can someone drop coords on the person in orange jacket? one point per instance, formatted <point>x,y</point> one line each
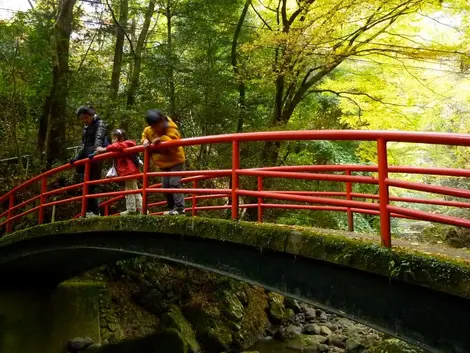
<point>125,165</point>
<point>161,129</point>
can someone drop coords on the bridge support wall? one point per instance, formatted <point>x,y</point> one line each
<point>42,321</point>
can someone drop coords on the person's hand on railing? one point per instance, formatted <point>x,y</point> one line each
<point>73,160</point>
<point>91,155</point>
<point>146,143</point>
<point>156,141</point>
<point>100,150</point>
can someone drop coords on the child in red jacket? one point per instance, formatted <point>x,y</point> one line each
<point>125,165</point>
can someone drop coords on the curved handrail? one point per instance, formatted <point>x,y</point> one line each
<point>313,200</point>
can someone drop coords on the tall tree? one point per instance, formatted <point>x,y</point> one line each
<point>118,50</point>
<point>311,39</point>
<point>137,53</point>
<point>236,69</point>
<point>169,13</point>
<point>55,150</point>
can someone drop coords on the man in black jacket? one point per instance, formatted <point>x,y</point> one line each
<point>93,136</point>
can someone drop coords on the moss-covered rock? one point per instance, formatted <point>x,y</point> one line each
<point>393,345</point>
<point>289,314</point>
<point>210,328</point>
<point>276,312</point>
<point>255,320</point>
<point>175,319</point>
<point>233,308</point>
<point>305,342</point>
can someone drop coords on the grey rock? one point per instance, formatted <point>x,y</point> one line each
<point>332,326</point>
<point>325,331</point>
<point>336,341</point>
<point>293,331</point>
<point>345,323</point>
<point>305,343</point>
<point>321,315</point>
<point>78,344</point>
<point>312,329</point>
<point>313,348</point>
<point>94,348</point>
<point>371,339</point>
<point>300,318</point>
<point>290,303</point>
<point>323,348</point>
<point>320,339</point>
<point>352,346</point>
<point>310,314</point>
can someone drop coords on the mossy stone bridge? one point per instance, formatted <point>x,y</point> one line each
<point>422,297</point>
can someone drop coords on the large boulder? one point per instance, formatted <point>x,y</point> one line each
<point>175,319</point>
<point>211,329</point>
<point>232,306</point>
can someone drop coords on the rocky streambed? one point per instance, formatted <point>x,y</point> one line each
<point>303,328</point>
<point>148,306</point>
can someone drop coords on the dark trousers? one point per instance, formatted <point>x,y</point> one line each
<point>175,201</point>
<point>92,204</point>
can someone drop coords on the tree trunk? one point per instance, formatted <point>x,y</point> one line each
<point>43,123</point>
<point>14,110</point>
<point>55,148</point>
<point>134,82</point>
<point>236,70</point>
<point>118,51</point>
<point>171,78</point>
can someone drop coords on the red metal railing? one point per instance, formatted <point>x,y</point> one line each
<point>338,201</point>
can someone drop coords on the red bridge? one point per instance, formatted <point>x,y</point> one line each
<point>40,193</point>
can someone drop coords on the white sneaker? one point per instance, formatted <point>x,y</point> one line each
<point>91,215</point>
<point>128,213</point>
<point>174,213</point>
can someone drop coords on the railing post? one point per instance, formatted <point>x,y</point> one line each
<point>106,210</point>
<point>260,200</point>
<point>145,181</point>
<point>86,179</point>
<point>384,198</point>
<point>11,203</point>
<point>235,178</point>
<point>194,203</point>
<point>42,200</point>
<point>349,197</point>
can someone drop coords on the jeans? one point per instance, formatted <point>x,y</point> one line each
<point>133,201</point>
<point>175,201</point>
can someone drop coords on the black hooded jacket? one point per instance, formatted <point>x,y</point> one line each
<point>93,136</point>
